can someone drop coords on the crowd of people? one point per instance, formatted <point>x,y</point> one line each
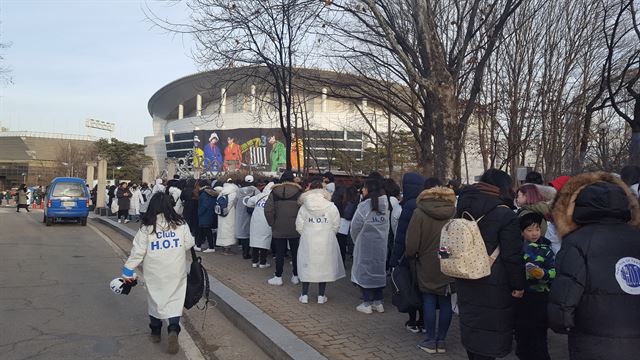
<point>565,254</point>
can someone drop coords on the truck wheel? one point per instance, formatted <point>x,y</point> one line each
<point>83,221</point>
<point>49,221</point>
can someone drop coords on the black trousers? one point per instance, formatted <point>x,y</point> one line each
<point>23,206</point>
<point>205,234</point>
<point>246,249</point>
<point>531,326</point>
<point>259,256</point>
<point>281,249</point>
<point>343,242</point>
<point>123,213</point>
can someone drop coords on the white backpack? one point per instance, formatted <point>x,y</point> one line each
<point>463,254</point>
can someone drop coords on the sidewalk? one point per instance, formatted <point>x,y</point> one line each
<point>336,329</point>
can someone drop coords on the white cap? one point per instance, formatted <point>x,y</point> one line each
<point>196,139</point>
<point>248,179</point>
<point>213,136</point>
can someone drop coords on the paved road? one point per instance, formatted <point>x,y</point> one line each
<point>55,302</point>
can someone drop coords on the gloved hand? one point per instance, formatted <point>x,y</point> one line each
<point>128,275</point>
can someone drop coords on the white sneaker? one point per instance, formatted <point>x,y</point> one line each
<point>295,280</point>
<point>276,280</point>
<point>379,308</point>
<point>209,251</point>
<point>364,308</point>
<point>254,265</point>
<point>119,221</point>
<point>322,299</point>
<point>126,221</point>
<point>304,299</point>
<point>267,265</point>
<point>197,248</point>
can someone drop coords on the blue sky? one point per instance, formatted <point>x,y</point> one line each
<point>72,60</point>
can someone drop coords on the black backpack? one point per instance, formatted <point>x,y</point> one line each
<point>406,295</point>
<point>197,282</point>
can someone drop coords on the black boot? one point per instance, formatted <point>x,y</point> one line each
<point>172,341</point>
<point>156,334</point>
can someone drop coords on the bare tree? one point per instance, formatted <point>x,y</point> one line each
<point>622,31</point>
<point>437,52</point>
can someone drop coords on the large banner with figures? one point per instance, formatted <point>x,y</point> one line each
<point>257,149</point>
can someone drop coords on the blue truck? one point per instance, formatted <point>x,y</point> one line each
<point>66,198</point>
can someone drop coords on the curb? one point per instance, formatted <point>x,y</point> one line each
<point>271,336</point>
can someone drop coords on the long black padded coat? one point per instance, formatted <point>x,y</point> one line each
<point>596,294</point>
<point>487,309</point>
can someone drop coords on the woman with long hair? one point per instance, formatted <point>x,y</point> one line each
<point>161,245</point>
<point>346,200</point>
<point>370,231</point>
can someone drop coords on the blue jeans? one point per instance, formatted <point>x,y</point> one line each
<point>157,323</point>
<point>372,295</point>
<point>429,303</point>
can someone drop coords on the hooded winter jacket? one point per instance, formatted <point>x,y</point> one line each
<point>206,203</point>
<point>318,221</point>
<point>434,208</point>
<point>596,294</point>
<point>227,224</point>
<point>412,185</point>
<point>243,218</point>
<point>487,309</point>
<point>281,210</point>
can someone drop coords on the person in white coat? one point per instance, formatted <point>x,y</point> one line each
<point>319,259</point>
<point>175,193</point>
<point>145,197</point>
<point>243,216</point>
<point>136,202</point>
<point>370,232</point>
<point>158,187</point>
<point>259,229</point>
<point>161,245</point>
<point>227,224</point>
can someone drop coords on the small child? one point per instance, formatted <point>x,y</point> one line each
<point>531,310</point>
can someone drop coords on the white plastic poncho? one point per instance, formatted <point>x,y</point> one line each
<point>227,224</point>
<point>175,194</point>
<point>259,229</point>
<point>317,222</point>
<point>164,256</point>
<point>243,218</point>
<point>370,232</point>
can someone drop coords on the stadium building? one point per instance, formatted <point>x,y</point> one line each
<point>35,158</point>
<point>225,120</point>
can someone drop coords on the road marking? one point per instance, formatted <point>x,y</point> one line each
<point>188,346</point>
